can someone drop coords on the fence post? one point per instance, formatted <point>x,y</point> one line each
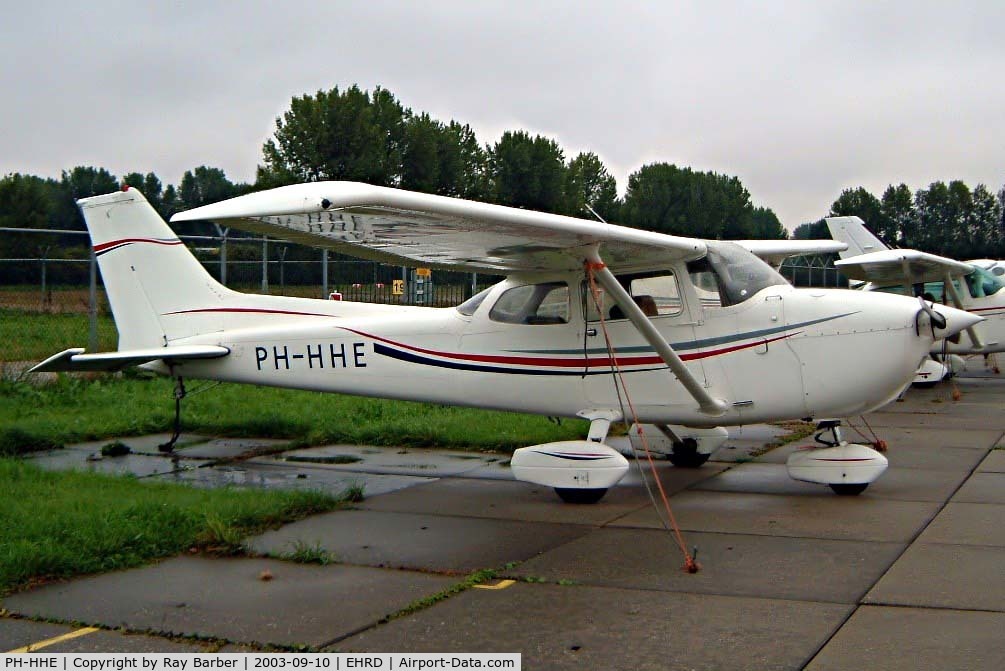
<point>474,283</point>
<point>324,273</point>
<point>45,257</point>
<point>265,264</point>
<point>282,271</point>
<point>222,232</point>
<point>92,306</point>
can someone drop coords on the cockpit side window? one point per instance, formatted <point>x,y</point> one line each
<point>706,283</point>
<point>656,293</point>
<point>470,306</point>
<point>546,303</point>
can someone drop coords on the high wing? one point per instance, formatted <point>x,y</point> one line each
<point>900,266</point>
<point>774,252</point>
<point>417,229</point>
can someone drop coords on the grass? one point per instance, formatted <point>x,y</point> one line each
<point>302,553</point>
<point>35,336</point>
<point>472,579</point>
<point>76,409</point>
<point>15,442</point>
<point>796,430</point>
<point>62,524</point>
<point>115,449</point>
<point>335,459</point>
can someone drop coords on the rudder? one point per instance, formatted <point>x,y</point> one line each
<point>147,271</point>
<point>852,232</point>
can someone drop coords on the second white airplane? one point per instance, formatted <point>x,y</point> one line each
<point>967,285</point>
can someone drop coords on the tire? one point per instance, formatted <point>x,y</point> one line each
<point>580,496</point>
<point>849,490</point>
<point>687,456</point>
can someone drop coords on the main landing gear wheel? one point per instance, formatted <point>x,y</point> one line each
<point>848,489</point>
<point>685,454</point>
<point>574,495</point>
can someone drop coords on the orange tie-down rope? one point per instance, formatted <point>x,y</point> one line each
<point>690,565</point>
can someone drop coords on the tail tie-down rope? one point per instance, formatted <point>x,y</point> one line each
<point>669,522</point>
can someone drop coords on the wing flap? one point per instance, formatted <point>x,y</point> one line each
<point>408,228</point>
<point>74,360</point>
<point>888,267</point>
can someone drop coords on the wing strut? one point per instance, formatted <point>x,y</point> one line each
<point>958,300</point>
<point>706,404</point>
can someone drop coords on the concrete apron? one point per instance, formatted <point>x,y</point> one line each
<point>791,575</point>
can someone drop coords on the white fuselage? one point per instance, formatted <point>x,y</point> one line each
<point>783,353</point>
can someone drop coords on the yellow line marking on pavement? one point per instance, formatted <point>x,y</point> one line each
<point>52,641</point>
<point>502,584</point>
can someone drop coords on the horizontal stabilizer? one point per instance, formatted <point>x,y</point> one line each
<point>74,360</point>
<point>774,252</point>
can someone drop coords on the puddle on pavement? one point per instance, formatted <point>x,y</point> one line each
<point>139,465</point>
<point>331,469</point>
<point>267,476</point>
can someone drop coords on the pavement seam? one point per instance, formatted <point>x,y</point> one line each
<point>149,632</point>
<point>884,604</point>
<point>473,517</point>
<point>446,594</point>
<point>727,595</point>
<point>900,556</point>
<point>650,504</point>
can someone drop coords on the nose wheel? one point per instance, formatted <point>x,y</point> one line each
<point>847,468</point>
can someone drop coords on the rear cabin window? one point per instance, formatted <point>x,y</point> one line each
<point>546,303</point>
<point>656,293</point>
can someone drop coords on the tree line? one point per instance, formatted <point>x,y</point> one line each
<point>355,135</point>
<point>359,135</point>
<point>370,136</point>
<point>948,219</point>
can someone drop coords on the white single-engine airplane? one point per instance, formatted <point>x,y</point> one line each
<point>705,333</point>
<point>968,285</point>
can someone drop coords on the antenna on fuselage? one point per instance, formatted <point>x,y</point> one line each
<point>594,213</point>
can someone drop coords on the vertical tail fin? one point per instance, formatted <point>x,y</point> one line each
<point>852,232</point>
<point>147,271</point>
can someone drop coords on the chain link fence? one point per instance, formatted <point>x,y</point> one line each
<point>51,296</point>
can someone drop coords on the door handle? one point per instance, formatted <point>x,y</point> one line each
<point>591,332</point>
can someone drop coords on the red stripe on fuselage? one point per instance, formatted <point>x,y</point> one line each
<point>252,311</point>
<point>567,363</point>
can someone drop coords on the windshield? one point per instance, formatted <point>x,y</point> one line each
<point>981,283</point>
<point>736,273</point>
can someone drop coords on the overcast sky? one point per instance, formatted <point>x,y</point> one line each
<point>798,99</point>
